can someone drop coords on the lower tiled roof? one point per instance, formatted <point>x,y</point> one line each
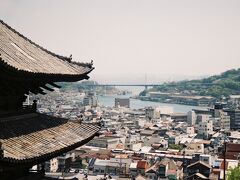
<point>49,137</point>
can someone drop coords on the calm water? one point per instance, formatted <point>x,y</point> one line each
<point>108,100</point>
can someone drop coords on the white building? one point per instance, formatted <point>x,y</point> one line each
<point>104,142</point>
<point>224,119</point>
<point>65,160</point>
<point>206,158</point>
<point>51,165</point>
<point>90,100</point>
<point>153,113</point>
<point>191,118</point>
<point>190,130</point>
<point>113,166</point>
<point>205,126</point>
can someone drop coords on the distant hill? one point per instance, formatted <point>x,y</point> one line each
<point>76,85</point>
<point>217,86</point>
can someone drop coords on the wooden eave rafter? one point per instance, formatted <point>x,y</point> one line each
<point>10,72</point>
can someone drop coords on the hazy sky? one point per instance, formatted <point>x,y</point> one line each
<point>131,38</point>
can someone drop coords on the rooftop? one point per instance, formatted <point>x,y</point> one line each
<point>20,53</point>
<point>45,137</point>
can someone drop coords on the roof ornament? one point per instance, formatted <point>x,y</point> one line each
<point>91,62</point>
<point>70,57</point>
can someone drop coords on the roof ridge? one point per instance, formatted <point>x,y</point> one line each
<point>201,162</point>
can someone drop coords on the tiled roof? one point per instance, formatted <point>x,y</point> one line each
<point>35,137</point>
<point>199,162</point>
<point>21,54</point>
<point>232,147</point>
<point>197,176</point>
<point>142,165</point>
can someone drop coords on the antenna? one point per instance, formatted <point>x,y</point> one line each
<point>146,81</point>
<point>145,78</point>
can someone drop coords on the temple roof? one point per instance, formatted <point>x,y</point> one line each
<point>21,54</point>
<point>44,138</point>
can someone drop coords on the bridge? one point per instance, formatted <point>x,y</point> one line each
<point>122,85</point>
<point>142,85</point>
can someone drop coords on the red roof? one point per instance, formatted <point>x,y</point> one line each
<point>232,147</point>
<point>142,165</point>
<point>232,151</point>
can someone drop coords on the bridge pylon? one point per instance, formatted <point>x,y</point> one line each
<point>146,87</point>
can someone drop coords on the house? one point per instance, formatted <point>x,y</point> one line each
<point>133,169</point>
<point>155,138</point>
<point>218,166</point>
<point>168,168</point>
<point>198,176</point>
<point>147,132</point>
<point>193,148</point>
<point>100,166</point>
<point>151,173</point>
<point>108,142</point>
<point>199,167</point>
<point>140,177</point>
<point>145,149</point>
<point>232,151</point>
<point>142,166</point>
<point>112,166</point>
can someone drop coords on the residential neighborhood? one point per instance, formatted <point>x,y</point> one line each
<point>147,143</point>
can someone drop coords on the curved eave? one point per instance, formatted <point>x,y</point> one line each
<point>16,73</point>
<point>39,159</point>
<point>41,62</point>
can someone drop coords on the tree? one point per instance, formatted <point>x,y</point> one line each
<point>175,146</point>
<point>234,173</point>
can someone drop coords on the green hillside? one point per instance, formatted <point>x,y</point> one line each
<point>217,86</point>
<point>65,86</point>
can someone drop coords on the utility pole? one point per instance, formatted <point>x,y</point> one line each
<point>224,160</point>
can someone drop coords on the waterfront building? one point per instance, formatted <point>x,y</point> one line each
<point>181,99</point>
<point>27,137</point>
<point>122,102</point>
<point>179,117</point>
<point>191,118</point>
<point>90,99</point>
<point>152,113</point>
